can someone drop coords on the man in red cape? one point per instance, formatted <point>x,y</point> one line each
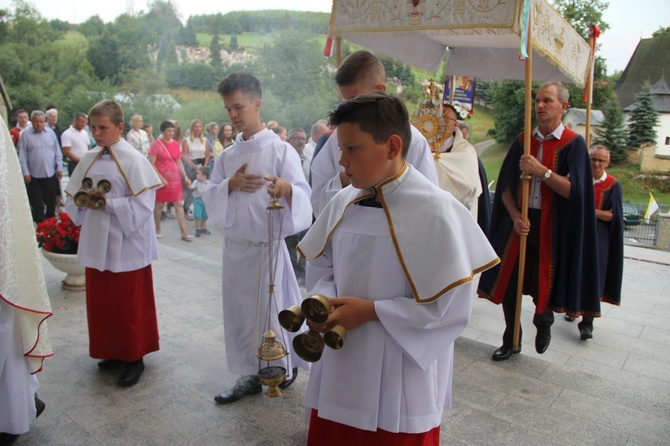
<point>608,196</point>
<point>561,271</point>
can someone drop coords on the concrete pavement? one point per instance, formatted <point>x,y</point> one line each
<point>611,390</point>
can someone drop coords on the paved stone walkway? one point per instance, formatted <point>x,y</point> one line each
<point>611,390</point>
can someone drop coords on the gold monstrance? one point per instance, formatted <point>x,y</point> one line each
<point>271,349</point>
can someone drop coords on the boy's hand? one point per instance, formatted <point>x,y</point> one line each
<point>349,312</point>
<point>279,188</point>
<point>245,182</point>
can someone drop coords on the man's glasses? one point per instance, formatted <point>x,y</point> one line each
<point>598,160</point>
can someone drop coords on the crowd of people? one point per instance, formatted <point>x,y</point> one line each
<point>401,286</point>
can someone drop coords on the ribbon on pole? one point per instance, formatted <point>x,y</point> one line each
<point>594,32</point>
<point>523,53</point>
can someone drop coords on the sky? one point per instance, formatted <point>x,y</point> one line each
<point>629,21</point>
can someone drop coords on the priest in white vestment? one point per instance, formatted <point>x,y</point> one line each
<point>24,303</point>
<point>457,165</point>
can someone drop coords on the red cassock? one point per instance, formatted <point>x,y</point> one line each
<point>121,313</point>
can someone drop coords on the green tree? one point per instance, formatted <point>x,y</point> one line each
<point>613,133</point>
<point>643,119</point>
<point>215,52</point>
<point>582,13</point>
<point>661,32</point>
<point>233,43</point>
<point>508,99</point>
<point>297,89</point>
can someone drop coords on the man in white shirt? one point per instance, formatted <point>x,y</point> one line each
<point>75,141</point>
<point>297,138</point>
<point>319,129</point>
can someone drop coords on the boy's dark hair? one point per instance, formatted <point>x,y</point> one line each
<point>360,67</point>
<point>378,113</point>
<point>108,108</point>
<point>167,125</point>
<point>240,80</point>
<point>19,111</point>
<point>205,171</point>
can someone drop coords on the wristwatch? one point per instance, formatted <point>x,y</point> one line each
<point>546,175</point>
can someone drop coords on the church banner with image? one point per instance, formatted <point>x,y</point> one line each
<point>464,92</point>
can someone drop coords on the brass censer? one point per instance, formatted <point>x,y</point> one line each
<point>271,349</point>
<point>309,346</point>
<point>87,195</point>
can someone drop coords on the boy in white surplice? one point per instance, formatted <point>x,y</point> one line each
<point>399,258</point>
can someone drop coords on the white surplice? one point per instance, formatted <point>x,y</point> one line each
<point>458,171</point>
<point>122,237</point>
<point>24,303</point>
<point>243,219</point>
<point>394,374</point>
<point>325,167</point>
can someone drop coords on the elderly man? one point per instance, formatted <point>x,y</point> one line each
<point>561,256</point>
<point>75,141</point>
<point>51,114</point>
<point>608,196</point>
<point>456,164</point>
<point>22,123</point>
<point>297,138</point>
<point>319,129</point>
<point>42,165</point>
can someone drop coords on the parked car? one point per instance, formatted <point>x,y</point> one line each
<point>631,216</point>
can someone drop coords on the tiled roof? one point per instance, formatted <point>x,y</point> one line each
<point>649,63</point>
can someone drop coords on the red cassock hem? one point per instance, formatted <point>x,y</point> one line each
<point>326,433</point>
<point>121,311</point>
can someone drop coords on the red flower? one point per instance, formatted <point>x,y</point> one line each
<point>58,234</point>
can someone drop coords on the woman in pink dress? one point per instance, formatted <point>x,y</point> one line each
<point>165,156</point>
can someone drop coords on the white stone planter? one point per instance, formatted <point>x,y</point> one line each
<point>75,279</point>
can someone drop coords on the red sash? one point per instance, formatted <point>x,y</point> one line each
<point>550,155</point>
<point>599,190</point>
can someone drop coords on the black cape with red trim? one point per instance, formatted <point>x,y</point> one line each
<point>608,195</point>
<point>568,269</point>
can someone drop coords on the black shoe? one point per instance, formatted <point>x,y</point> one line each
<point>569,318</point>
<point>198,232</point>
<point>131,373</point>
<point>245,385</point>
<point>286,384</point>
<point>542,339</point>
<point>585,333</point>
<point>504,353</point>
<point>39,406</point>
<point>8,439</point>
<point>109,364</point>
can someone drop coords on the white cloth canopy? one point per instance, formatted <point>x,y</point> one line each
<point>483,38</point>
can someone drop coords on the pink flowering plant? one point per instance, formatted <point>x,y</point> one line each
<point>58,234</point>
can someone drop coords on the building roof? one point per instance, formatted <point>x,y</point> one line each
<point>661,93</point>
<point>650,61</point>
<point>578,116</point>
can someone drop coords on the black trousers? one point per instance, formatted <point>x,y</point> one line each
<point>42,193</point>
<point>542,320</point>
